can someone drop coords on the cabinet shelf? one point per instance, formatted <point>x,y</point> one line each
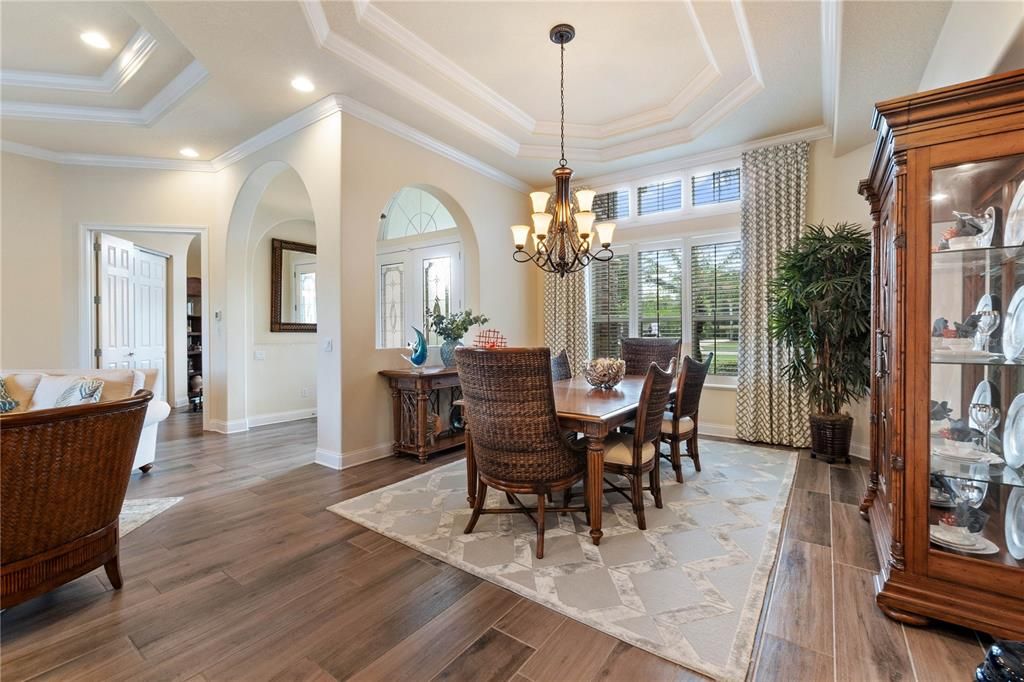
<point>953,358</point>
<point>999,474</point>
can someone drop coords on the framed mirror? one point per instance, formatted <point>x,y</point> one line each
<point>292,286</point>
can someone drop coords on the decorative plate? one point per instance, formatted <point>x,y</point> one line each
<point>1013,234</point>
<point>1013,434</point>
<point>981,545</point>
<point>1014,525</point>
<point>1013,329</point>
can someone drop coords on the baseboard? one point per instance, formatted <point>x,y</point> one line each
<point>280,417</point>
<point>181,402</point>
<point>720,430</point>
<point>227,427</point>
<point>352,458</point>
<point>860,450</point>
<point>328,458</point>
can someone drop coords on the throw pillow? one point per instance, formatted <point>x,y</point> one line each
<point>7,403</point>
<point>66,391</point>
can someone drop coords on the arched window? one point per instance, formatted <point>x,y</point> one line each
<point>419,266</point>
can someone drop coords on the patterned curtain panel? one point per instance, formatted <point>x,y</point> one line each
<point>565,317</point>
<point>774,198</point>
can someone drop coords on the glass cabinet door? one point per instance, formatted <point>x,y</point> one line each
<point>976,482</point>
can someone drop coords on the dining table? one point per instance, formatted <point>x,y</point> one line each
<point>593,413</point>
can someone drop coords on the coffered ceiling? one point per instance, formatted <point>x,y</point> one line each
<point>645,82</point>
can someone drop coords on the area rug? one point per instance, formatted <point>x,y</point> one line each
<point>690,588</point>
<point>134,513</point>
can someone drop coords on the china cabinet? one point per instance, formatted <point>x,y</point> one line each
<point>945,496</point>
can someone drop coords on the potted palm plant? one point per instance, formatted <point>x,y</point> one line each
<point>820,310</point>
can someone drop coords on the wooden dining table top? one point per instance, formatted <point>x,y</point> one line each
<point>578,399</point>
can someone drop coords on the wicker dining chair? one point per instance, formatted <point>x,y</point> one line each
<point>560,369</point>
<point>639,353</point>
<point>517,444</point>
<point>65,472</point>
<point>636,454</point>
<point>680,425</point>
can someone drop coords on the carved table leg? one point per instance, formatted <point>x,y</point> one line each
<point>470,469</point>
<point>396,418</point>
<point>422,397</point>
<point>595,485</point>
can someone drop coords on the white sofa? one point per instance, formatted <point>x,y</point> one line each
<point>117,384</point>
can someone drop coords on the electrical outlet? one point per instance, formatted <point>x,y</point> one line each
<point>304,392</point>
<point>259,355</point>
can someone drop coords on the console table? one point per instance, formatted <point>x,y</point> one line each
<point>420,402</point>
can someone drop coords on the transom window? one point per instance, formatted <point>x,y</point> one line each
<point>419,267</point>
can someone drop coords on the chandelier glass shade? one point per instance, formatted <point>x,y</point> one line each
<point>564,229</point>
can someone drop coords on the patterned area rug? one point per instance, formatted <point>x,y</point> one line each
<point>690,588</point>
<point>134,513</point>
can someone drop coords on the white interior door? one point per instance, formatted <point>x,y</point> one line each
<point>115,305</point>
<point>131,309</point>
<point>150,315</point>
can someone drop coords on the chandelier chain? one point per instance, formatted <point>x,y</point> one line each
<point>561,91</point>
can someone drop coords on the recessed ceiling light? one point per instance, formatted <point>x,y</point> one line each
<point>939,196</point>
<point>189,152</point>
<point>95,39</point>
<point>302,84</point>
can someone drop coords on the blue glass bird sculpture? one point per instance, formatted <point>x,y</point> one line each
<point>419,350</point>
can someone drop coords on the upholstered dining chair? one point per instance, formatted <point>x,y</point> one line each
<point>636,454</point>
<point>65,472</point>
<point>680,423</point>
<point>560,369</point>
<point>517,444</point>
<point>639,353</point>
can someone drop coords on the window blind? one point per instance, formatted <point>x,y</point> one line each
<point>661,196</point>
<point>716,188</point>
<point>609,306</point>
<point>715,303</point>
<point>659,294</point>
<point>611,205</point>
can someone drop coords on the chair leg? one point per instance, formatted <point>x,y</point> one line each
<point>481,495</point>
<point>636,483</point>
<point>656,484</point>
<point>113,569</point>
<point>677,464</point>
<point>691,446</point>
<point>551,497</point>
<point>567,497</point>
<point>540,526</point>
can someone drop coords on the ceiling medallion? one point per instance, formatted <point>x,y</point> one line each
<point>562,236</point>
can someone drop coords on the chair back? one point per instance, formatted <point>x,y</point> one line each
<point>560,369</point>
<point>639,353</point>
<point>650,412</point>
<point>510,407</point>
<point>65,472</point>
<point>691,383</point>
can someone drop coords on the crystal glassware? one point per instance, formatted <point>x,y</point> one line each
<point>988,320</point>
<point>986,418</point>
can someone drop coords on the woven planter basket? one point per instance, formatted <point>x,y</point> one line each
<point>830,437</point>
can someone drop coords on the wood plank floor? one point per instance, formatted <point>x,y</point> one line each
<point>249,578</point>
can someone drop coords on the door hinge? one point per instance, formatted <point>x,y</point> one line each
<point>96,246</point>
<point>98,353</point>
<point>97,300</point>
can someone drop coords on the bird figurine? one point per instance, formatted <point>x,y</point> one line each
<point>419,350</point>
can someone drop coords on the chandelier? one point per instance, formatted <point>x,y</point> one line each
<point>563,233</point>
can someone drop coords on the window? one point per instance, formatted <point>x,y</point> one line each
<point>609,305</point>
<point>685,288</point>
<point>419,266</point>
<point>611,205</point>
<point>715,296</point>
<point>660,197</point>
<point>716,187</point>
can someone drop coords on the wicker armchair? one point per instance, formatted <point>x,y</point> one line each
<point>560,369</point>
<point>639,353</point>
<point>636,454</point>
<point>64,476</point>
<point>517,444</point>
<point>681,424</point>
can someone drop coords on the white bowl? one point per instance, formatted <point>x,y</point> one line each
<point>960,243</point>
<point>961,345</point>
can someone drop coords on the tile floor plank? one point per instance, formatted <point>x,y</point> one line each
<point>869,646</point>
<point>852,543</point>
<point>783,660</point>
<point>801,608</point>
<point>572,652</point>
<point>530,623</point>
<point>493,657</point>
<point>944,652</point>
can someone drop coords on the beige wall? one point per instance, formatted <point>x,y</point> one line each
<point>176,247</point>
<point>275,384</point>
<point>375,165</point>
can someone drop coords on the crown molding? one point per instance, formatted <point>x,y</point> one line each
<point>831,44</point>
<point>703,158</point>
<point>315,112</point>
<point>125,65</point>
<point>399,81</point>
<point>190,77</point>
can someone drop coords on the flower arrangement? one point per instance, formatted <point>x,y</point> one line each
<point>605,372</point>
<point>453,327</point>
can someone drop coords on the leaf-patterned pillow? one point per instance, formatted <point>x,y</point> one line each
<point>7,403</point>
<point>81,392</point>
